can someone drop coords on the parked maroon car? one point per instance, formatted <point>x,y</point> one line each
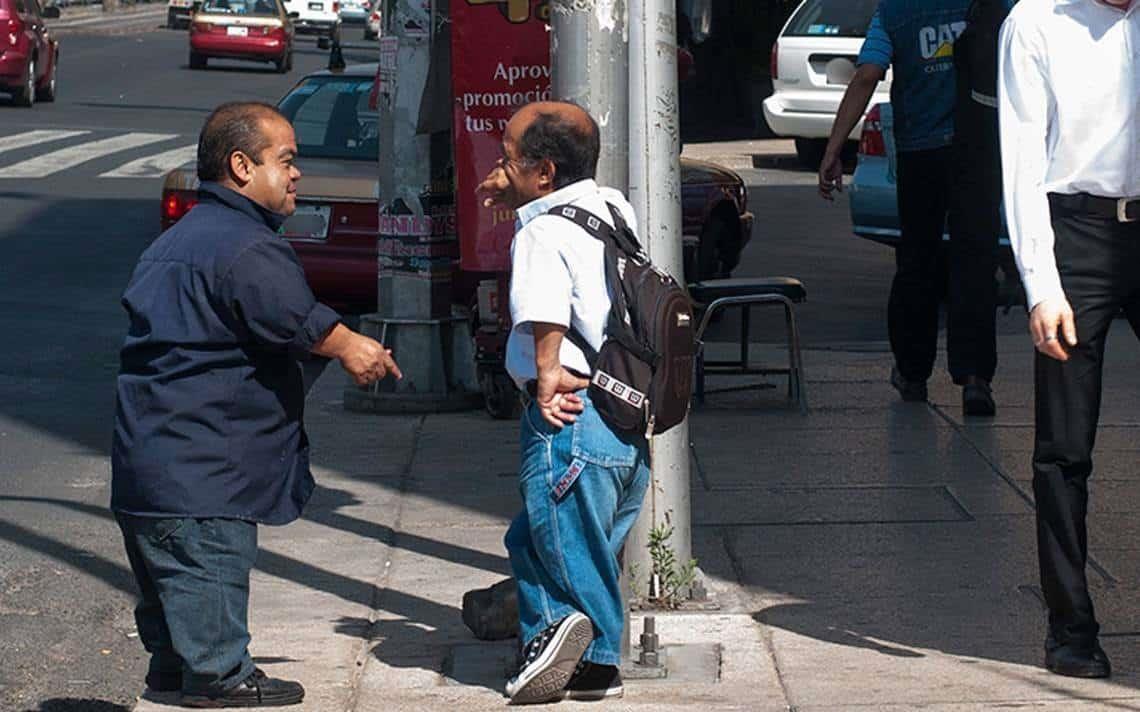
<point>29,54</point>
<point>257,30</point>
<point>336,227</point>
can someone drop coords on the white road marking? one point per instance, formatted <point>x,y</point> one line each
<point>33,138</point>
<point>56,161</point>
<point>154,166</point>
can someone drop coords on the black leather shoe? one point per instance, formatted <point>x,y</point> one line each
<point>257,690</point>
<point>1078,661</point>
<point>164,681</point>
<point>911,391</point>
<point>978,399</point>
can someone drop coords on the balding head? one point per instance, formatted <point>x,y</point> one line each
<point>559,132</point>
<point>236,126</point>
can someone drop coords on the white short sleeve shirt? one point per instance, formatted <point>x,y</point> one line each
<point>558,276</point>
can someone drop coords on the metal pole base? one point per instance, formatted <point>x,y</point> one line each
<point>437,359</point>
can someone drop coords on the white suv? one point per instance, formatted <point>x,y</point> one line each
<point>812,62</point>
<point>316,17</point>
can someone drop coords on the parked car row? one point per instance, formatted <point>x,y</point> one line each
<point>29,55</point>
<point>334,231</point>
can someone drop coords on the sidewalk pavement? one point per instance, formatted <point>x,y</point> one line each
<point>870,555</point>
<point>745,154</point>
<point>126,18</point>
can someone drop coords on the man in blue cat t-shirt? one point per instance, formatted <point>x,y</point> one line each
<point>916,38</point>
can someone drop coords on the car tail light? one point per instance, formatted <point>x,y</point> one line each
<point>175,204</point>
<point>871,142</point>
<point>774,61</point>
<point>336,7</point>
<point>375,16</point>
<point>276,32</point>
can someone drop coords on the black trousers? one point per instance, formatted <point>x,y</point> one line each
<point>931,187</point>
<point>1099,262</point>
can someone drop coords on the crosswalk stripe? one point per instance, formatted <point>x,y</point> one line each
<point>33,138</point>
<point>153,166</point>
<point>64,158</point>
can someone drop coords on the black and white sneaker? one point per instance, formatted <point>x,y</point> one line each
<point>593,682</point>
<point>549,661</point>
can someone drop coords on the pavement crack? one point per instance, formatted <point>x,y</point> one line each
<point>364,654</point>
<point>1012,483</point>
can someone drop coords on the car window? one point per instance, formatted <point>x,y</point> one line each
<point>33,8</point>
<point>331,118</point>
<point>832,18</point>
<point>241,7</point>
<point>21,9</point>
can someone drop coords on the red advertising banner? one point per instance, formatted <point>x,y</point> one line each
<point>500,58</point>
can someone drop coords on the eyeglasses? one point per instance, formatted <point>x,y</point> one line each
<point>505,160</point>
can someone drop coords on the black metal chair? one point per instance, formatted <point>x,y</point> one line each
<point>714,295</point>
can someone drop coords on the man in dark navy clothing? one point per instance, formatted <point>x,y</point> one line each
<point>209,440</point>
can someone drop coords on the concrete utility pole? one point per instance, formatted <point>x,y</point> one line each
<point>589,58</point>
<point>655,191</point>
<point>417,245</point>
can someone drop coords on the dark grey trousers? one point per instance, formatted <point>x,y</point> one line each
<point>193,575</point>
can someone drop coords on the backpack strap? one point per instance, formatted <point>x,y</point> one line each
<point>617,239</point>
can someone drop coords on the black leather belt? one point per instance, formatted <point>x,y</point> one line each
<point>1124,210</point>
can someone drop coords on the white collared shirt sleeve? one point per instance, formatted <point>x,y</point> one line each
<point>1024,110</point>
<point>541,282</point>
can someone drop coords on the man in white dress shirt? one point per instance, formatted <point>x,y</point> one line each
<point>1070,140</point>
<point>582,482</point>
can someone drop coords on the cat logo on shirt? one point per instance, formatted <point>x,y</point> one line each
<point>937,43</point>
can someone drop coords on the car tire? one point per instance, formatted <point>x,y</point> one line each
<point>171,20</point>
<point>285,63</point>
<point>323,43</point>
<point>46,92</point>
<point>26,95</point>
<point>718,246</point>
<point>809,152</point>
<point>368,36</point>
<point>197,61</point>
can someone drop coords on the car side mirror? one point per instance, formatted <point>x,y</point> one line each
<point>51,12</point>
<point>294,15</point>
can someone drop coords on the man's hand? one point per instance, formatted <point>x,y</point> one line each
<point>1050,322</point>
<point>365,359</point>
<point>556,396</point>
<point>493,187</point>
<point>830,175</point>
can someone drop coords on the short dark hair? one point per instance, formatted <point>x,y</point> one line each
<point>235,126</point>
<point>572,148</point>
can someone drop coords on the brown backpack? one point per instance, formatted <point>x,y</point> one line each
<point>641,379</point>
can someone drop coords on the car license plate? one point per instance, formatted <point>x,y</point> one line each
<point>316,6</point>
<point>237,31</point>
<point>309,222</point>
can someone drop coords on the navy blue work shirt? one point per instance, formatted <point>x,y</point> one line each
<point>210,393</point>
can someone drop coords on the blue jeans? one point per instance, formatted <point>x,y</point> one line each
<point>582,487</point>
<point>194,578</point>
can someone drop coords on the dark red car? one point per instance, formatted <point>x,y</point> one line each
<point>257,30</point>
<point>28,53</point>
<point>336,227</point>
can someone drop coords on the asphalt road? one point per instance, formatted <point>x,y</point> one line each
<point>68,241</point>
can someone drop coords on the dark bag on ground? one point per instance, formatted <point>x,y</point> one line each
<point>642,376</point>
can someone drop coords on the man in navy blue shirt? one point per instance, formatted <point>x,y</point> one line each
<point>209,440</point>
<point>917,38</point>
